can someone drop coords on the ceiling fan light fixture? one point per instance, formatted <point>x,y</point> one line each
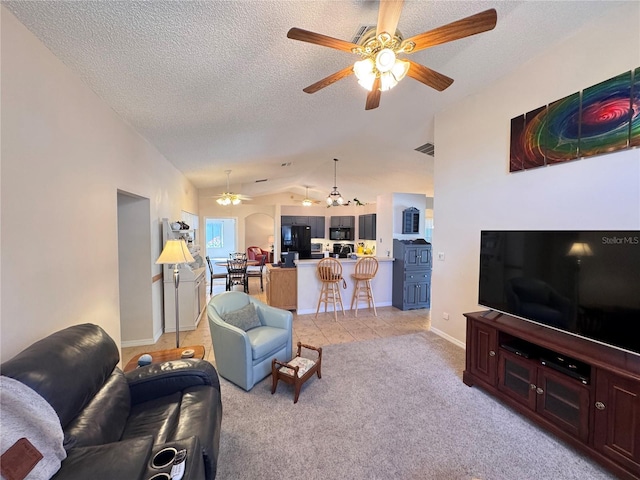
<point>400,69</point>
<point>364,70</point>
<point>307,202</point>
<point>387,82</point>
<point>385,60</point>
<point>228,198</point>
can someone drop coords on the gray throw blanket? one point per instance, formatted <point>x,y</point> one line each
<point>24,413</point>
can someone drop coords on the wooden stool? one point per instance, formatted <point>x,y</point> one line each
<point>366,268</point>
<point>297,371</point>
<point>330,273</point>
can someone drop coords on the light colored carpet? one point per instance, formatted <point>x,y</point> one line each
<point>392,408</point>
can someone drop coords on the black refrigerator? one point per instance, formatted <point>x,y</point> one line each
<point>296,238</point>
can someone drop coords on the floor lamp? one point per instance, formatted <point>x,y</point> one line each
<point>175,252</point>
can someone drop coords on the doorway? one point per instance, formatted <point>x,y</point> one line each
<point>220,240</point>
<point>134,269</point>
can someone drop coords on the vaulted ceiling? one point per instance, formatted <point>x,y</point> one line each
<point>217,85</point>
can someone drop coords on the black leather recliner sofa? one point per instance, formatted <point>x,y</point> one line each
<point>114,423</point>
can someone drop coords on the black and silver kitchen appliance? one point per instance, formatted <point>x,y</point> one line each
<point>296,238</point>
<point>340,233</point>
<point>343,250</point>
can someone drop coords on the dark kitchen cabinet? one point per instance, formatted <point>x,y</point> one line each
<point>315,222</point>
<point>317,227</point>
<point>367,227</point>
<point>411,274</point>
<point>343,221</point>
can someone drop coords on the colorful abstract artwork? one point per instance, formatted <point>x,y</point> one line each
<point>601,119</point>
<point>561,136</point>
<point>516,157</point>
<point>606,114</point>
<point>526,145</point>
<point>634,139</point>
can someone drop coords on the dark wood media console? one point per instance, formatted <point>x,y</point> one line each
<point>584,392</point>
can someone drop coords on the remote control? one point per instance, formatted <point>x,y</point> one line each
<point>179,464</point>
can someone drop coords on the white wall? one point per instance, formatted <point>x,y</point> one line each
<point>474,191</point>
<point>65,155</point>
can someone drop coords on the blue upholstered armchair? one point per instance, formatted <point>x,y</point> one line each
<point>244,356</point>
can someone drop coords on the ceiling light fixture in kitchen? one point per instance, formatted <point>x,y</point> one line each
<point>334,199</point>
<point>307,202</point>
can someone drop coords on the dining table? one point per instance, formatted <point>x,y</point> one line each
<point>250,263</point>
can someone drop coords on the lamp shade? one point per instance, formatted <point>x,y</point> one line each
<point>580,249</point>
<point>175,252</point>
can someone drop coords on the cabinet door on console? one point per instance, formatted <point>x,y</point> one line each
<point>517,378</point>
<point>564,401</point>
<point>482,362</point>
<point>617,419</point>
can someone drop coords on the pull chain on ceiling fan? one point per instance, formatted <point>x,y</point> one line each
<point>381,67</point>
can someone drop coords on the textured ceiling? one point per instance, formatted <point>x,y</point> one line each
<point>216,85</point>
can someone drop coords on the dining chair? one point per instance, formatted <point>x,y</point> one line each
<point>257,271</point>
<point>214,275</point>
<point>237,273</point>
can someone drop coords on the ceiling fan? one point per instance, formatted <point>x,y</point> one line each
<point>307,202</point>
<point>228,197</point>
<point>380,68</point>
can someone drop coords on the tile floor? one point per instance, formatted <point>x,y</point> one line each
<point>320,331</point>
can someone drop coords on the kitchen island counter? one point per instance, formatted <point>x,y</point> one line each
<point>309,284</point>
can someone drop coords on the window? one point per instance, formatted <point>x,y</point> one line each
<point>214,235</point>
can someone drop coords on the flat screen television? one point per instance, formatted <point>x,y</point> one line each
<point>586,283</point>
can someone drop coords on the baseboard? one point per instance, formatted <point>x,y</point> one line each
<point>137,343</point>
<point>449,338</point>
<point>305,311</point>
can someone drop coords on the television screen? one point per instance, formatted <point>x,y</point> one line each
<point>586,283</point>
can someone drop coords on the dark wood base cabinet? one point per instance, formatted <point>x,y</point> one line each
<point>584,392</point>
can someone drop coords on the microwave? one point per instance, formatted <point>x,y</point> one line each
<point>340,233</point>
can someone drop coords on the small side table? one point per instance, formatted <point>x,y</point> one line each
<point>166,355</point>
<point>297,371</point>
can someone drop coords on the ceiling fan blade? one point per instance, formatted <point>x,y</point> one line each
<point>319,39</point>
<point>429,77</point>
<point>325,82</point>
<point>478,23</point>
<point>373,98</point>
<point>388,16</point>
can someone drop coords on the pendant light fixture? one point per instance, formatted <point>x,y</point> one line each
<point>307,202</point>
<point>334,199</point>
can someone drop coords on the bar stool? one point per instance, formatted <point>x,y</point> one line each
<point>330,273</point>
<point>366,268</point>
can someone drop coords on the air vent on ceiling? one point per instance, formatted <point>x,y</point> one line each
<point>362,29</point>
<point>261,180</point>
<point>285,164</point>
<point>427,149</point>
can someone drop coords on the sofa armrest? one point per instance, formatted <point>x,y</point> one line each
<point>127,459</point>
<point>160,379</point>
